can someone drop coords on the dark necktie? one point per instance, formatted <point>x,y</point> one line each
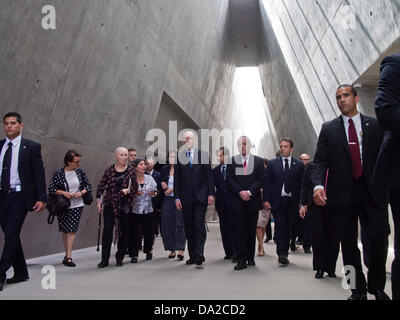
<point>5,174</point>
<point>354,147</point>
<point>224,172</point>
<point>190,158</point>
<point>286,176</point>
<point>245,167</point>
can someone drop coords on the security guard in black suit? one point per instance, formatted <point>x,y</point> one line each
<point>23,189</point>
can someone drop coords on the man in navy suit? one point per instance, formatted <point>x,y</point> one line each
<point>281,194</point>
<point>387,172</point>
<point>157,200</point>
<point>245,174</point>
<point>224,208</point>
<point>193,191</point>
<point>348,146</point>
<point>23,189</point>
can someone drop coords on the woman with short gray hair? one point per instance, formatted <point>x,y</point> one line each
<point>119,183</point>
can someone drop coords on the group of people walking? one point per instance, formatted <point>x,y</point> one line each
<point>348,182</point>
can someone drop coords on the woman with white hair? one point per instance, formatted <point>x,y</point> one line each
<point>120,184</point>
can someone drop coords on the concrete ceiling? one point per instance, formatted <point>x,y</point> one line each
<point>370,78</point>
<point>245,27</point>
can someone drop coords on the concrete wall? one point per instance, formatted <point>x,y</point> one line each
<point>285,103</point>
<point>97,81</point>
<point>324,45</point>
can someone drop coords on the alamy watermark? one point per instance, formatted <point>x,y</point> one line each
<point>49,20</point>
<point>347,16</point>
<point>49,280</point>
<point>349,279</point>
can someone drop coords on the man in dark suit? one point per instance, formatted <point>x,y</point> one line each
<point>193,192</point>
<point>245,174</point>
<point>23,189</point>
<point>281,194</point>
<point>224,208</point>
<point>157,200</point>
<point>348,146</point>
<point>387,172</point>
<point>324,232</point>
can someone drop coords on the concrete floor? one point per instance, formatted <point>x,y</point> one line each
<point>166,279</point>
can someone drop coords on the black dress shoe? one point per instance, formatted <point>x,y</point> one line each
<point>381,295</point>
<point>102,264</point>
<point>251,263</point>
<point>149,256</point>
<point>199,260</point>
<point>319,274</point>
<point>293,246</point>
<point>190,261</point>
<point>119,263</point>
<point>227,257</point>
<point>308,251</point>
<point>358,296</point>
<point>240,266</point>
<point>17,279</point>
<point>172,256</point>
<point>180,257</point>
<point>69,263</point>
<point>283,260</point>
<point>134,260</point>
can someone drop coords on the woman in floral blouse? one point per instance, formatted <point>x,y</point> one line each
<point>142,211</point>
<point>119,183</point>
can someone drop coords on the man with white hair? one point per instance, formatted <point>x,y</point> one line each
<point>193,192</point>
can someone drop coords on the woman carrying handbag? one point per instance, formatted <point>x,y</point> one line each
<point>72,183</point>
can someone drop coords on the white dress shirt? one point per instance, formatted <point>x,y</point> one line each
<point>15,182</point>
<point>283,193</point>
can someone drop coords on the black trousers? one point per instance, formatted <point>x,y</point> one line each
<point>125,235</point>
<point>108,228</point>
<point>143,224</point>
<point>284,221</point>
<point>12,215</point>
<point>376,227</point>
<point>395,205</point>
<point>227,226</point>
<point>246,228</point>
<point>195,228</point>
<point>307,231</point>
<point>268,230</point>
<point>325,239</point>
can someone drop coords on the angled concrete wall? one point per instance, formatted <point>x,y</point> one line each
<point>97,81</point>
<point>286,107</point>
<point>329,42</point>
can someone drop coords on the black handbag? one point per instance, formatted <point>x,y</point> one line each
<point>87,198</point>
<point>57,205</point>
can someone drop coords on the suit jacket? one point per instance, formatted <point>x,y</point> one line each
<point>157,200</point>
<point>252,181</point>
<point>31,172</point>
<point>193,184</point>
<point>333,152</point>
<point>273,185</point>
<point>223,196</point>
<point>307,187</point>
<point>387,107</point>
